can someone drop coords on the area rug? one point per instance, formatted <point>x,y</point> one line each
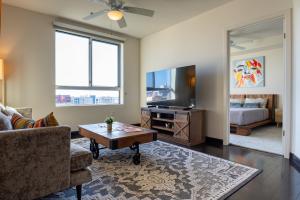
<point>166,172</point>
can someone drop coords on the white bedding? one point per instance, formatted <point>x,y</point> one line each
<point>245,116</point>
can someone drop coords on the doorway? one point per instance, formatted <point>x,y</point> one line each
<point>258,84</point>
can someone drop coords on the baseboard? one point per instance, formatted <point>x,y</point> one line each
<point>295,161</point>
<point>214,141</point>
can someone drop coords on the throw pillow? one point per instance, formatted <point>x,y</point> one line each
<point>252,105</point>
<point>5,123</point>
<point>11,111</point>
<point>3,110</point>
<point>47,121</point>
<point>19,122</point>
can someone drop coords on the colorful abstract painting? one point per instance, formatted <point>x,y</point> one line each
<point>249,73</point>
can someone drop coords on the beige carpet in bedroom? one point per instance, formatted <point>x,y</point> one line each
<point>266,138</point>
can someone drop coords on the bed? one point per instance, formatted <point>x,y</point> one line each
<point>243,120</point>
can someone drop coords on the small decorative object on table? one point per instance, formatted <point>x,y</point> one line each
<point>109,121</point>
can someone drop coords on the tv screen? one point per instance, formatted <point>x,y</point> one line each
<point>172,87</point>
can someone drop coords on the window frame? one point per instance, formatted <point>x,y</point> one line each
<point>90,86</point>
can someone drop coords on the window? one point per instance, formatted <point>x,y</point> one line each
<point>87,70</point>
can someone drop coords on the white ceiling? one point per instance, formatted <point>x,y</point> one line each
<point>260,35</point>
<point>259,30</point>
<point>167,12</point>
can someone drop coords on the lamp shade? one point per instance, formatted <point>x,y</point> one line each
<point>1,69</point>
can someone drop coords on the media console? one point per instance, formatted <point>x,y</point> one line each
<point>175,124</point>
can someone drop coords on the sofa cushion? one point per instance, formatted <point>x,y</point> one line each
<point>5,123</point>
<point>80,157</point>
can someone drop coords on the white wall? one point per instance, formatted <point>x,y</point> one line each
<point>27,46</point>
<point>274,74</point>
<point>296,81</point>
<point>200,41</point>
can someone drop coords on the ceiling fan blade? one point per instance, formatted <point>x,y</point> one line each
<point>94,14</point>
<point>122,23</point>
<point>138,11</point>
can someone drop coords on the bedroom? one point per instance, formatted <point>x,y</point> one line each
<point>256,86</point>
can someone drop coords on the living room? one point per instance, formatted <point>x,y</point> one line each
<point>37,76</point>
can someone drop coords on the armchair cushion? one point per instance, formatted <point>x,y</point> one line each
<point>80,157</point>
<point>34,162</point>
<point>81,176</point>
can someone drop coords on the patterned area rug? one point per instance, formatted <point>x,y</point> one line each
<point>166,172</point>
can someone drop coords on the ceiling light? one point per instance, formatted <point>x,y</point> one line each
<point>115,15</point>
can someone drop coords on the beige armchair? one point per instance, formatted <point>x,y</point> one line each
<point>37,162</point>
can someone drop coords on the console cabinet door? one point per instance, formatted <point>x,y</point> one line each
<point>181,126</point>
<point>146,119</point>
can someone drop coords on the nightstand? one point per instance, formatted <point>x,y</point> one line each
<point>278,116</point>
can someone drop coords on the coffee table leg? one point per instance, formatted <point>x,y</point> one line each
<point>94,147</point>
<point>137,157</point>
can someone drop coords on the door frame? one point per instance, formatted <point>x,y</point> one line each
<point>286,15</point>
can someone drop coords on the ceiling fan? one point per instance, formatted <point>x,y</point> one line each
<point>116,9</point>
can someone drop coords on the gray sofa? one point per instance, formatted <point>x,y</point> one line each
<point>37,162</point>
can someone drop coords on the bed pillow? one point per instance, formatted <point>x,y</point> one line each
<point>251,105</point>
<point>261,101</point>
<point>241,101</point>
<point>236,105</point>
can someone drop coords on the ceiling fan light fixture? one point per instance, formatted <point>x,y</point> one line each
<point>115,15</point>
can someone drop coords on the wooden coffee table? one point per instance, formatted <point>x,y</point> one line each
<point>121,136</point>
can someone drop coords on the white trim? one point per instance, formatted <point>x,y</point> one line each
<point>85,30</point>
<point>287,99</point>
<point>226,86</point>
<point>287,16</point>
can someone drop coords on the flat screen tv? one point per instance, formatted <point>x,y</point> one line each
<point>172,87</point>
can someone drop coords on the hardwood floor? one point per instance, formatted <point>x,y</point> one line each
<point>278,180</point>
